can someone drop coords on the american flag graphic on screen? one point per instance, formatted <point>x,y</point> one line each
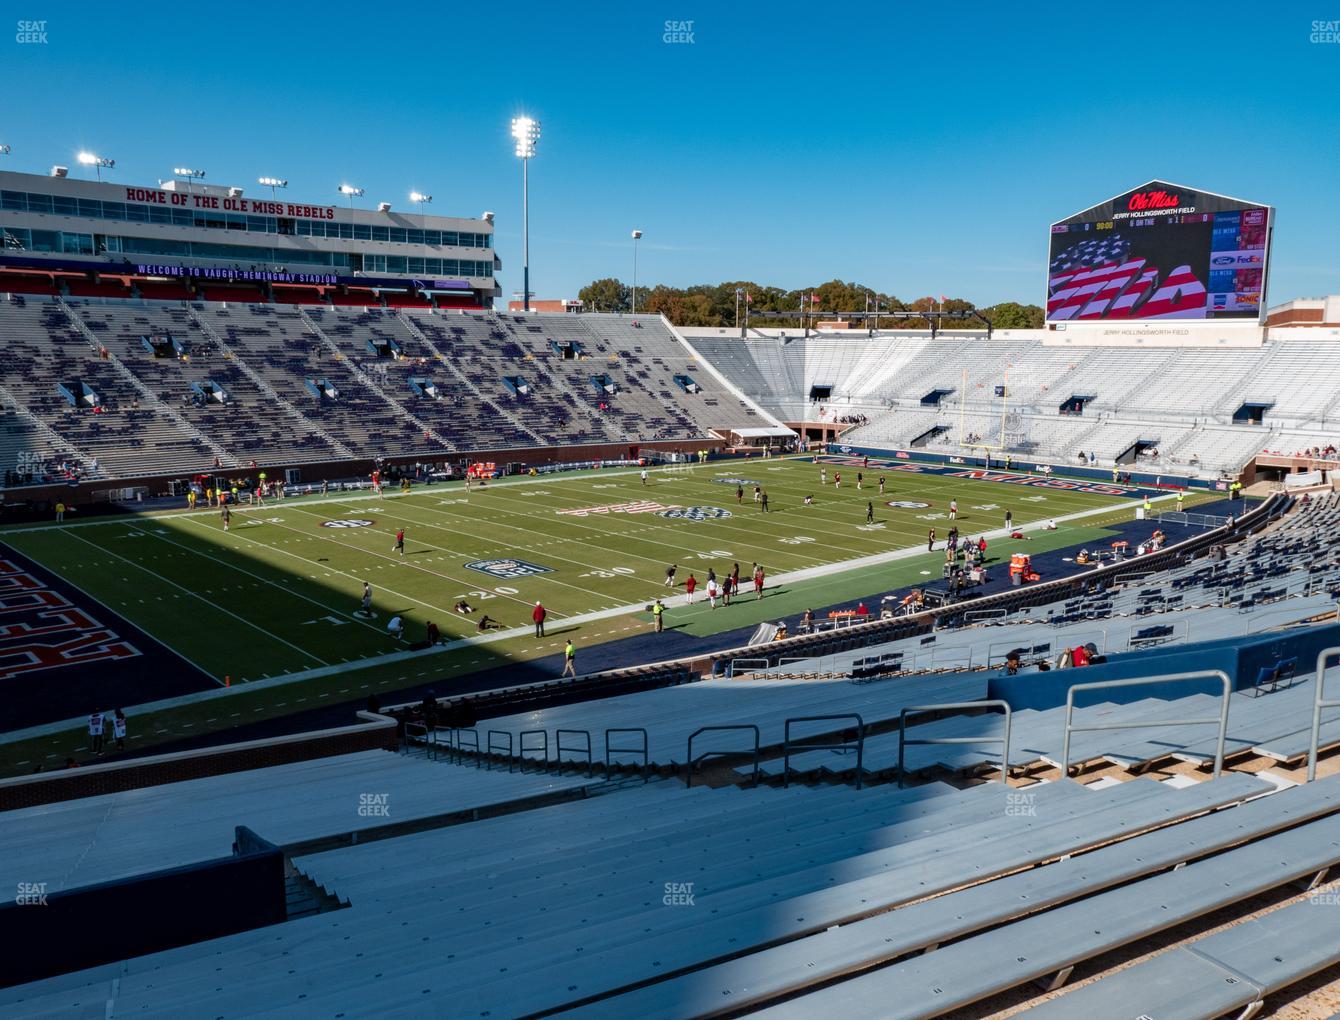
<point>1097,279</point>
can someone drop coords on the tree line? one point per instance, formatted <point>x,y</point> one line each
<point>716,304</point>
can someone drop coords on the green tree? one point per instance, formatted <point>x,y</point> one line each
<point>607,295</point>
<point>1012,315</point>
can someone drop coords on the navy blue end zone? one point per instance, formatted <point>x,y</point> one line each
<point>62,654</point>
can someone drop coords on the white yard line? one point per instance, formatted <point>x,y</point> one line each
<point>829,570</point>
<point>213,605</point>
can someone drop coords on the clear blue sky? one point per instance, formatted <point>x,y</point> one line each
<point>922,149</point>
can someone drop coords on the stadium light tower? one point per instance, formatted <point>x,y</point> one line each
<point>189,175</point>
<point>352,192</point>
<point>418,198</point>
<point>637,236</point>
<point>273,183</point>
<point>526,131</point>
<point>4,150</point>
<point>97,162</point>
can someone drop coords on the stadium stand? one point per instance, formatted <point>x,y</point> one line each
<point>588,886</point>
<point>96,839</point>
<point>297,383</point>
<point>1183,400</point>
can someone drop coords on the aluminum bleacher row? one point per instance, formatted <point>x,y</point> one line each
<point>659,901</point>
<point>78,842</point>
<point>1182,400</point>
<point>274,361</point>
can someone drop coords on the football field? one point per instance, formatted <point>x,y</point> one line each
<point>277,593</point>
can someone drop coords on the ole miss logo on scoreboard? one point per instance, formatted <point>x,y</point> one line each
<point>42,629</point>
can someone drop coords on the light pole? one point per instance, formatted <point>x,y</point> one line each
<point>526,132</point>
<point>4,150</point>
<point>419,199</point>
<point>352,192</point>
<point>88,159</point>
<point>637,236</point>
<point>189,175</point>
<point>273,183</point>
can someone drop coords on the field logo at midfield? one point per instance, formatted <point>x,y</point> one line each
<point>356,522</point>
<point>736,481</point>
<point>640,506</point>
<point>695,513</point>
<point>508,570</point>
<point>906,504</point>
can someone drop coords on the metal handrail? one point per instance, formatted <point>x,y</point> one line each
<point>692,761</point>
<point>500,746</point>
<point>753,663</point>
<point>1198,674</point>
<point>559,748</point>
<point>1319,702</point>
<point>522,748</point>
<point>415,726</point>
<point>786,743</point>
<point>1003,740</point>
<point>461,734</point>
<point>646,761</point>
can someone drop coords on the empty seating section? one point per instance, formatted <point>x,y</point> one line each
<point>246,422</point>
<point>80,842</point>
<point>43,351</point>
<point>662,901</point>
<point>301,384</point>
<point>1181,399</point>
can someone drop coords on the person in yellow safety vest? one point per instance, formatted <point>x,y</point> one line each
<point>1147,504</point>
<point>658,614</point>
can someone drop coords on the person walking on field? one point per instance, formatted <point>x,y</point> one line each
<point>670,575</point>
<point>881,485</point>
<point>869,513</point>
<point>538,614</point>
<point>658,615</point>
<point>823,476</point>
<point>860,479</point>
<point>765,502</point>
<point>758,582</point>
<point>837,479</point>
<point>119,729</point>
<point>930,540</point>
<point>399,542</point>
<point>569,660</point>
<point>712,591</point>
<point>227,515</point>
<point>739,495</point>
<point>95,725</point>
<point>953,509</point>
<point>690,586</point>
<point>1009,521</point>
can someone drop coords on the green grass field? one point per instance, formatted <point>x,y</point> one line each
<point>275,597</point>
<point>277,593</point>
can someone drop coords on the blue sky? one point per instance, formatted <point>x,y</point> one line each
<point>921,149</point>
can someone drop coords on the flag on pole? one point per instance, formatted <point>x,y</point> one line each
<point>814,299</point>
<point>943,299</point>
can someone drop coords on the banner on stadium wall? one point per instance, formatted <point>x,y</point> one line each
<point>252,206</point>
<point>1303,479</point>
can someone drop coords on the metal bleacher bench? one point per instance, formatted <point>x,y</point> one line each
<point>1028,950</point>
<point>1233,970</point>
